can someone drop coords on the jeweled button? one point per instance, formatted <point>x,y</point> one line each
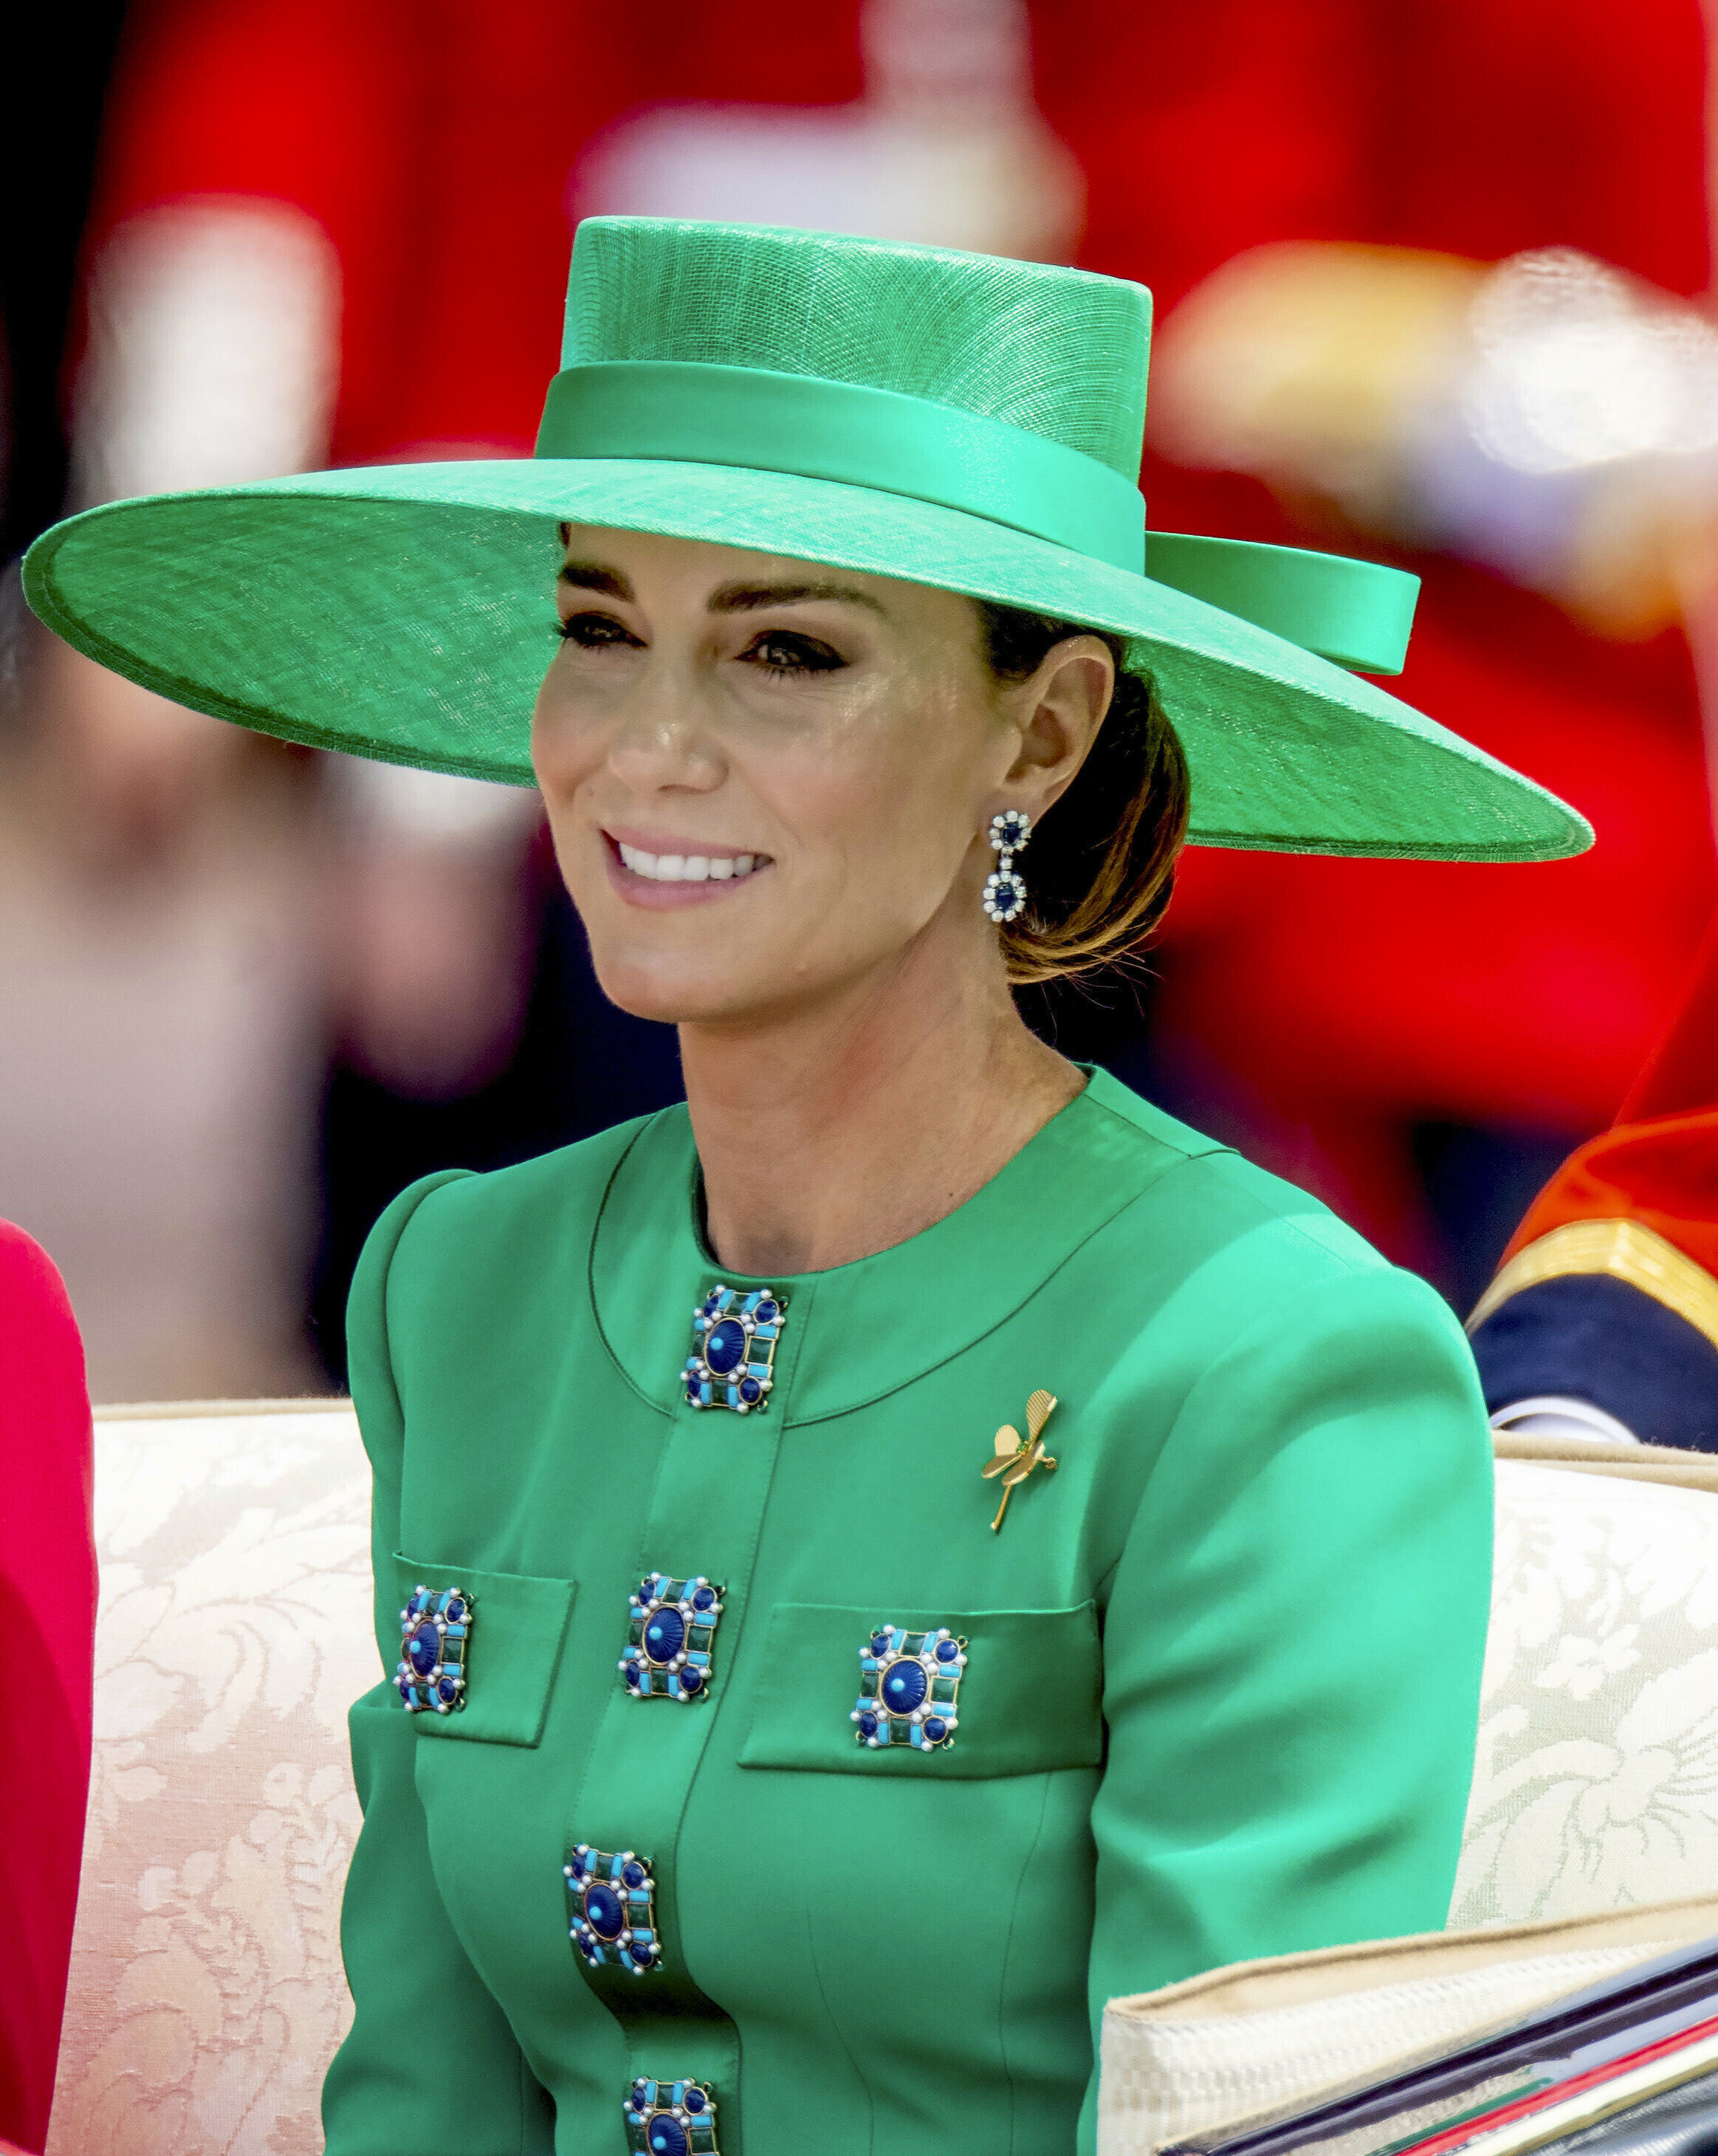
<point>634,1875</point>
<point>603,1912</point>
<point>903,1688</point>
<point>423,1649</point>
<point>665,1635</point>
<point>690,1681</point>
<point>881,1643</point>
<point>725,1347</point>
<point>705,1598</point>
<point>867,1725</point>
<point>767,1312</point>
<point>668,2138</point>
<point>447,1690</point>
<point>935,1729</point>
<point>947,1649</point>
<point>750,1391</point>
<point>695,2100</point>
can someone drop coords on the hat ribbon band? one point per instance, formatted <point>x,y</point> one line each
<point>687,412</point>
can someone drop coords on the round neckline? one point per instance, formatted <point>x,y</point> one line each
<point>833,1274</point>
<point>915,1305</point>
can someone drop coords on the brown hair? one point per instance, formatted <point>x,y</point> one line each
<point>1102,864</point>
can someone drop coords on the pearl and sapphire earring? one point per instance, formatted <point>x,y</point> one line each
<point>1005,890</point>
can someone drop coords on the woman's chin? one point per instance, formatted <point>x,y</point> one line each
<point>672,996</point>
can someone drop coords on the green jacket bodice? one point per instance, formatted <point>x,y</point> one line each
<point>1221,1670</point>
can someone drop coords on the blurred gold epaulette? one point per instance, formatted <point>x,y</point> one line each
<point>1624,1248</point>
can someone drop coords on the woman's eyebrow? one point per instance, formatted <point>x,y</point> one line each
<point>746,598</point>
<point>592,577</point>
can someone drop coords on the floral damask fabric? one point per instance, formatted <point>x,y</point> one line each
<point>1595,1784</point>
<point>207,1995</point>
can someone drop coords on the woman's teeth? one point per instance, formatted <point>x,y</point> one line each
<point>687,868</point>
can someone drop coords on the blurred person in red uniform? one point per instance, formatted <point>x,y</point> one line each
<point>48,1591</point>
<point>1155,144</point>
<point>1454,1023</point>
<point>1602,1320</point>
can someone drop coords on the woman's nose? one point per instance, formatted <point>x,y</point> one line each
<point>665,737</point>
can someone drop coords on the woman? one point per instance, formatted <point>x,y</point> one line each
<point>860,1772</point>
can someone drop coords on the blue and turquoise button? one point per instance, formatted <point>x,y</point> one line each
<point>665,1635</point>
<point>725,1347</point>
<point>603,1912</point>
<point>904,1688</point>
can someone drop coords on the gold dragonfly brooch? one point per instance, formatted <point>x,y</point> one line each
<point>1016,1456</point>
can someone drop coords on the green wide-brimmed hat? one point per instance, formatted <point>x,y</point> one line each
<point>949,418</point>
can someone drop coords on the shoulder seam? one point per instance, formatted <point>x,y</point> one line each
<point>1265,1218</point>
<point>1206,1149</point>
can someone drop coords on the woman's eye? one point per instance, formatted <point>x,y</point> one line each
<point>785,652</point>
<point>595,632</point>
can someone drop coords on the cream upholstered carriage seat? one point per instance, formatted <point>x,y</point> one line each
<point>206,1992</point>
<point>234,1632</point>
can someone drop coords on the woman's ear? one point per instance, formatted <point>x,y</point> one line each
<point>1058,712</point>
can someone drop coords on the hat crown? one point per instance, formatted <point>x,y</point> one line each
<point>1057,352</point>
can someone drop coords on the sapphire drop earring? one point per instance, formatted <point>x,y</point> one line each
<point>1005,889</point>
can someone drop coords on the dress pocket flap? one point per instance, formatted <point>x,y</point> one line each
<point>479,1650</point>
<point>1028,1700</point>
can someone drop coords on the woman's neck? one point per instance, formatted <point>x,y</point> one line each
<point>827,1134</point>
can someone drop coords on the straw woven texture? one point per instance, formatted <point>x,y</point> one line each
<point>405,612</point>
<point>1057,352</point>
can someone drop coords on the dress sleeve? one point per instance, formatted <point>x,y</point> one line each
<point>1292,1646</point>
<point>431,2066</point>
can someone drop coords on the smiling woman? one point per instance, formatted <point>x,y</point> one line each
<point>748,1781</point>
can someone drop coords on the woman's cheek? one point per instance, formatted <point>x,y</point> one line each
<point>560,748</point>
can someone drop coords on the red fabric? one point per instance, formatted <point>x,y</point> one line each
<point>48,1595</point>
<point>1663,1173</point>
<point>1682,1071</point>
<point>1659,1164</point>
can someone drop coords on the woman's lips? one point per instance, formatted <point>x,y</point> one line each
<point>662,880</point>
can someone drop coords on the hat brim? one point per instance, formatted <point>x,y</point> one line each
<point>406,613</point>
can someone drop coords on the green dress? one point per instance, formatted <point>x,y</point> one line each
<point>1210,1693</point>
